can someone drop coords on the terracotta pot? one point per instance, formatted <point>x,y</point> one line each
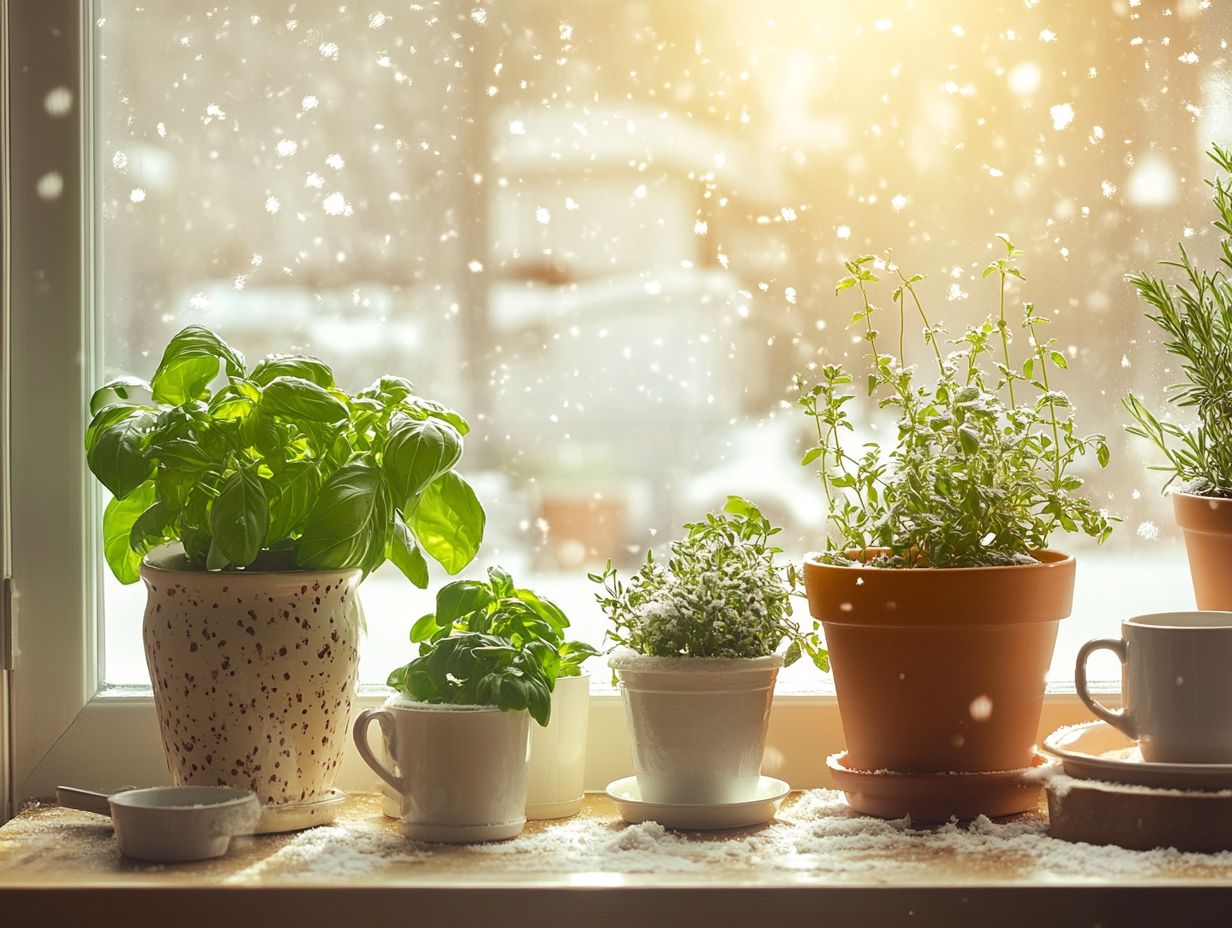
<point>697,724</point>
<point>1206,522</point>
<point>940,670</point>
<point>253,675</point>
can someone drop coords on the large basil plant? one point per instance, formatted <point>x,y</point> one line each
<point>278,468</point>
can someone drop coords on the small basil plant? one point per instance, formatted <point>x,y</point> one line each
<point>500,607</point>
<point>474,669</point>
<point>277,467</point>
<point>720,593</point>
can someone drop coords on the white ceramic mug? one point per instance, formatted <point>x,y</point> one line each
<point>1176,685</point>
<point>459,771</point>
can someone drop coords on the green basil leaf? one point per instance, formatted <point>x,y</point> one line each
<point>239,518</point>
<point>390,390</point>
<point>297,398</point>
<point>406,555</point>
<point>191,361</point>
<point>119,388</point>
<point>298,366</point>
<point>425,627</point>
<point>349,520</point>
<point>457,600</point>
<point>416,453</point>
<point>151,528</point>
<point>117,457</point>
<point>449,522</point>
<point>292,491</point>
<point>118,520</point>
<point>181,454</point>
<point>105,418</point>
<point>440,411</point>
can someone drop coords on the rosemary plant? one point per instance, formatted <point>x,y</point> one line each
<point>1196,318</point>
<point>981,473</point>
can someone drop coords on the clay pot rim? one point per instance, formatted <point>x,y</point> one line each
<point>1049,559</point>
<point>157,563</point>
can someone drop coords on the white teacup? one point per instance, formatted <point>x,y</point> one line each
<point>1176,684</point>
<point>459,771</point>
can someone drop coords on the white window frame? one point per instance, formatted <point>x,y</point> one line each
<point>64,725</point>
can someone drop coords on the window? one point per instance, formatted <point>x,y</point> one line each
<point>608,232</point>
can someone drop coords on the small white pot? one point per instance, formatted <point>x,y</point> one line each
<point>459,771</point>
<point>697,725</point>
<point>558,753</point>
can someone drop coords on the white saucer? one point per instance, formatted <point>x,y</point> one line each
<point>1097,751</point>
<point>296,816</point>
<point>699,816</point>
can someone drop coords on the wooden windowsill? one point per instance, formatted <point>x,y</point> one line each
<point>61,867</point>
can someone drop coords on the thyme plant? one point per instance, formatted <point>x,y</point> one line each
<point>720,594</point>
<point>981,472</point>
<point>1196,318</point>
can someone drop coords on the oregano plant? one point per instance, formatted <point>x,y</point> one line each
<point>277,467</point>
<point>1195,317</point>
<point>719,593</point>
<point>982,469</point>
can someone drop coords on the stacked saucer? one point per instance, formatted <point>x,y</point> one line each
<point>1105,793</point>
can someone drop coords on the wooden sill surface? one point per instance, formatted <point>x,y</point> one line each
<point>56,862</point>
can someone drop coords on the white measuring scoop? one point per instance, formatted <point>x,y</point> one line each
<point>170,824</point>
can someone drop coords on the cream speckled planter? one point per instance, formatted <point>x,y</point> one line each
<point>253,676</point>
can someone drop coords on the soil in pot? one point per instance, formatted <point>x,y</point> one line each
<point>1206,522</point>
<point>253,675</point>
<point>940,670</point>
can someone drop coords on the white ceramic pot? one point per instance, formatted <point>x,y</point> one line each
<point>253,675</point>
<point>459,772</point>
<point>697,725</point>
<point>558,753</point>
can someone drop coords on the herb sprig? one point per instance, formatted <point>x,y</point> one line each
<point>720,594</point>
<point>278,467</point>
<point>1196,318</point>
<point>981,471</point>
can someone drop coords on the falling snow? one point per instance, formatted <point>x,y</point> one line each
<point>137,195</point>
<point>1062,115</point>
<point>336,205</point>
<point>286,148</point>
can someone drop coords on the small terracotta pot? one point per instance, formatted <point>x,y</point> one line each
<point>940,670</point>
<point>1206,522</point>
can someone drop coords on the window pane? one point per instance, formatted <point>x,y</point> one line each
<point>609,233</point>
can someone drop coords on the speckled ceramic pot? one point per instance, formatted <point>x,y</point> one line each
<point>253,676</point>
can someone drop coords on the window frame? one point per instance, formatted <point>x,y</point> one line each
<point>65,725</point>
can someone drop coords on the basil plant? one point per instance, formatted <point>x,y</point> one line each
<point>278,468</point>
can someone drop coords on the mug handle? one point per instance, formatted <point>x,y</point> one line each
<point>386,720</point>
<point>1117,719</point>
